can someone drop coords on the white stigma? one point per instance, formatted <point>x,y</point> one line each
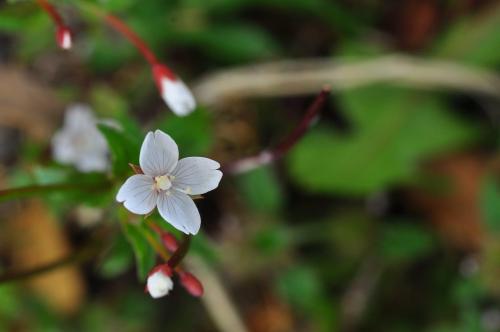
<point>163,182</point>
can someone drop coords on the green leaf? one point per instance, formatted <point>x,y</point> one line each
<point>144,254</point>
<point>261,190</point>
<point>490,204</point>
<point>402,242</point>
<point>473,40</point>
<point>193,133</point>
<point>118,259</point>
<point>301,287</point>
<point>393,131</point>
<point>124,148</point>
<point>234,43</point>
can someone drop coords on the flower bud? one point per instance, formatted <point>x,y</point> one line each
<point>173,91</point>
<point>169,241</point>
<point>191,284</point>
<point>63,37</point>
<point>159,281</point>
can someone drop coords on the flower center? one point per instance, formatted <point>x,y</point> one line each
<point>163,182</point>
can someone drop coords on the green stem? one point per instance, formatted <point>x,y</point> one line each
<point>31,190</point>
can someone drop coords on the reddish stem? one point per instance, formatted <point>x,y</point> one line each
<point>50,9</point>
<point>269,155</point>
<point>121,27</point>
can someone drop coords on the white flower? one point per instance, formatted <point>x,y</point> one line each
<point>159,284</point>
<point>79,142</point>
<point>167,182</point>
<point>173,91</point>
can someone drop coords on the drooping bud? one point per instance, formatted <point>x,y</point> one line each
<point>173,90</point>
<point>159,281</point>
<point>169,241</point>
<point>63,37</point>
<point>191,284</point>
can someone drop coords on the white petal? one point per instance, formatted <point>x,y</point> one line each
<point>159,154</point>
<point>196,175</point>
<point>179,210</point>
<point>77,115</point>
<point>177,96</point>
<point>138,194</point>
<point>159,284</point>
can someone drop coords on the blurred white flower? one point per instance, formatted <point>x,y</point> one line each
<point>79,142</point>
<point>159,284</point>
<point>167,183</point>
<point>173,91</point>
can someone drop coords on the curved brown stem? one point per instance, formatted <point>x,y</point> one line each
<point>267,156</point>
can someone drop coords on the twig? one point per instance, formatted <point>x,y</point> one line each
<point>359,292</point>
<point>11,193</point>
<point>216,299</point>
<point>299,77</point>
<point>269,155</point>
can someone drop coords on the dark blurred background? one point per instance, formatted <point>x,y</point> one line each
<point>384,217</point>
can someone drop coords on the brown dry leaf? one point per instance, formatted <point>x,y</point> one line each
<point>455,211</point>
<point>270,315</point>
<point>27,104</point>
<point>36,239</point>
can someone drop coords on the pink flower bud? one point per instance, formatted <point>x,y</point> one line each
<point>191,284</point>
<point>169,241</point>
<point>63,37</point>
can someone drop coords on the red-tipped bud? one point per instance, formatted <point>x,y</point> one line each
<point>173,91</point>
<point>63,37</point>
<point>169,241</point>
<point>159,281</point>
<point>191,284</point>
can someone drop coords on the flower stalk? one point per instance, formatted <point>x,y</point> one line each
<point>270,155</point>
<point>63,33</point>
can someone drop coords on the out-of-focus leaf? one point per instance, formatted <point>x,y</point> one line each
<point>108,55</point>
<point>193,133</point>
<point>272,239</point>
<point>490,204</point>
<point>301,287</point>
<point>474,40</point>
<point>118,259</point>
<point>234,43</point>
<point>124,149</point>
<point>144,253</point>
<point>107,101</point>
<point>393,131</point>
<point>405,242</point>
<point>201,246</point>
<point>261,190</point>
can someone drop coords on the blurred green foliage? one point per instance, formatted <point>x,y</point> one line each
<point>310,228</point>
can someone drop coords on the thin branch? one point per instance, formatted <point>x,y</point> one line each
<point>31,190</point>
<point>270,155</point>
<point>181,252</point>
<point>301,77</point>
<point>51,11</point>
<point>216,298</point>
<point>116,23</point>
